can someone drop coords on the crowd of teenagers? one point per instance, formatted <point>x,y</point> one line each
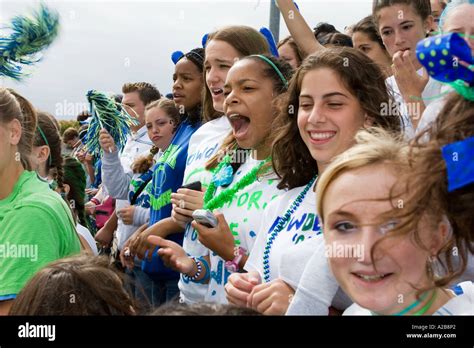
<point>340,176</point>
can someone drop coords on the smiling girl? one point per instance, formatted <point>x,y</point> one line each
<point>396,273</point>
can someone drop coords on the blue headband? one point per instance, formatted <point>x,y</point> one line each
<point>459,163</point>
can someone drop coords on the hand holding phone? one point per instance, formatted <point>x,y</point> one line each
<point>205,217</point>
<point>195,186</point>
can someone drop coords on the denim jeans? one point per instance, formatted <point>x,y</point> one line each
<point>152,292</point>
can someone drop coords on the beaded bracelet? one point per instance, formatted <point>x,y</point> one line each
<point>199,270</point>
<point>204,262</point>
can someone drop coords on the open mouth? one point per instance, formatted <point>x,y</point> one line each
<point>216,92</point>
<point>240,124</point>
<point>177,96</point>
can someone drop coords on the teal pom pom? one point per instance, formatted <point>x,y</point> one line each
<point>110,115</point>
<point>29,37</point>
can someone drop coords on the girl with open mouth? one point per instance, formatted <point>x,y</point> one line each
<point>241,191</point>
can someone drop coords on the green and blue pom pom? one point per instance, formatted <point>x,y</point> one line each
<point>30,36</point>
<point>110,115</point>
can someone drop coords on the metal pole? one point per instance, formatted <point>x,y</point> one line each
<point>275,20</point>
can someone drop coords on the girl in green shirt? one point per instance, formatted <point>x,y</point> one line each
<point>36,226</point>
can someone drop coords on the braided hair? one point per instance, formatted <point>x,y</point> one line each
<point>47,134</point>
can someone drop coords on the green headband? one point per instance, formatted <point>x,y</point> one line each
<point>46,142</point>
<point>269,62</point>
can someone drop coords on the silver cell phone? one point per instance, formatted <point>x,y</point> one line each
<point>205,217</point>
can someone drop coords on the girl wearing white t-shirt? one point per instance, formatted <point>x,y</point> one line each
<point>240,191</point>
<point>401,25</point>
<point>328,116</point>
<point>398,270</point>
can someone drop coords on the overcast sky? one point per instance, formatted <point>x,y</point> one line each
<point>103,44</point>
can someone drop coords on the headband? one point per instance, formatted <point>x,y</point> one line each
<point>269,62</point>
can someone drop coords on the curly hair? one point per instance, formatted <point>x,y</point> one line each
<point>363,78</point>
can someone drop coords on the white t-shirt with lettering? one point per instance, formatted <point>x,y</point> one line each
<point>302,225</point>
<point>244,217</point>
<point>204,144</point>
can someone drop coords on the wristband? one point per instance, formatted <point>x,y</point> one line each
<point>233,266</point>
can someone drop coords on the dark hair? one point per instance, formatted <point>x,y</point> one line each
<point>83,115</point>
<point>46,128</point>
<point>14,106</point>
<point>279,87</point>
<point>75,177</point>
<point>291,158</point>
<point>367,26</point>
<point>70,134</point>
<point>336,39</point>
<point>427,189</point>
<point>77,285</point>
<point>289,40</point>
<point>146,91</point>
<point>323,28</point>
<point>203,308</point>
<point>197,57</point>
<point>246,41</point>
<point>422,7</point>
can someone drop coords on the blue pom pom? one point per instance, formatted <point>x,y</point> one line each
<point>176,56</point>
<point>271,41</point>
<point>204,40</point>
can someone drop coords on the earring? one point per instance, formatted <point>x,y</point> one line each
<point>17,156</point>
<point>435,268</point>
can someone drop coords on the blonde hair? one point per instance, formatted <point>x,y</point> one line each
<point>377,146</point>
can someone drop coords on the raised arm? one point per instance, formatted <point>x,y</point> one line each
<point>298,28</point>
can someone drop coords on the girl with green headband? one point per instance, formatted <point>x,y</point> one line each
<point>243,184</point>
<point>31,214</point>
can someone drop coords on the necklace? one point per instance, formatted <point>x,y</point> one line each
<point>211,202</point>
<point>278,228</point>
<point>422,311</point>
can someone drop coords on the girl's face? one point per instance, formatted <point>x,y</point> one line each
<point>371,49</point>
<point>328,115</point>
<point>401,28</point>
<point>187,86</point>
<point>220,56</point>
<point>461,20</point>
<point>248,103</point>
<point>288,54</point>
<point>159,126</point>
<point>353,205</point>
